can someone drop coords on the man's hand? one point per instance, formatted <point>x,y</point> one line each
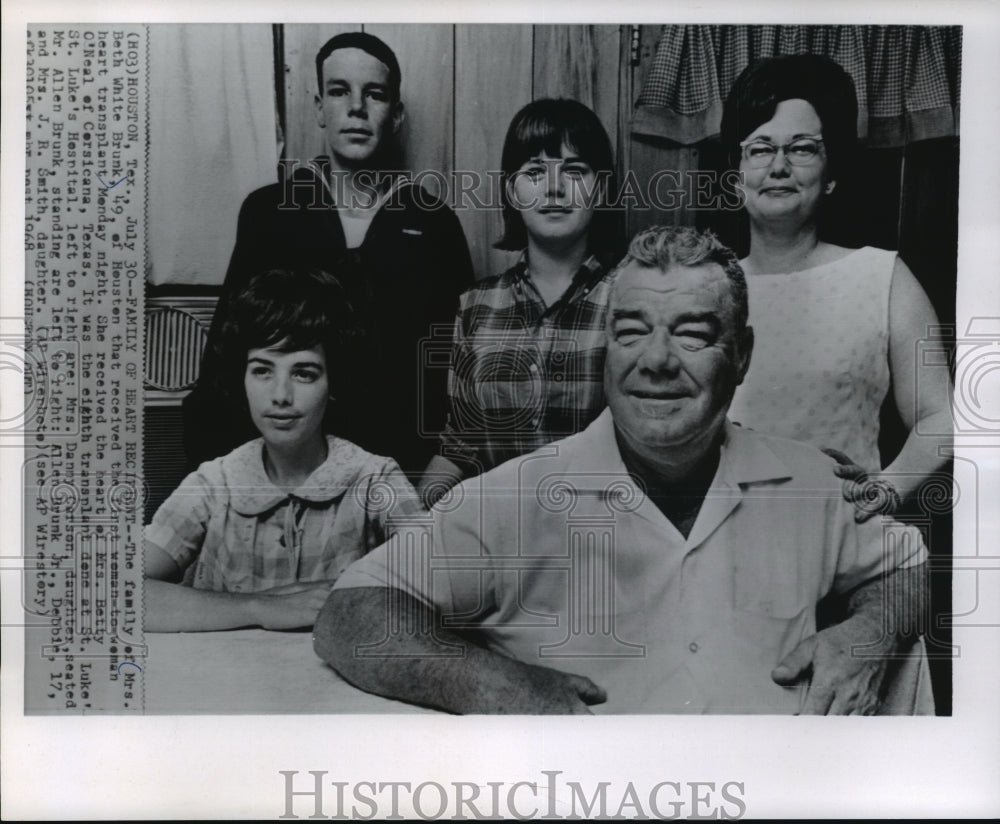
<point>292,606</point>
<point>436,668</point>
<point>551,692</point>
<point>841,683</point>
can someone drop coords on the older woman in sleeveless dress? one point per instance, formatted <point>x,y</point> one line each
<point>836,328</point>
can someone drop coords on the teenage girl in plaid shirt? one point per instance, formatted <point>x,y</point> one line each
<point>528,355</point>
<point>258,537</point>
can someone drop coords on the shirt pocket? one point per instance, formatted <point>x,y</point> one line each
<point>766,640</point>
<point>505,382</point>
<point>774,604</point>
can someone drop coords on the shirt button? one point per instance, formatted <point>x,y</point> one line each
<point>533,368</point>
<point>693,647</point>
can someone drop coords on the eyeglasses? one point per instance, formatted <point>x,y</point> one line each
<point>802,151</point>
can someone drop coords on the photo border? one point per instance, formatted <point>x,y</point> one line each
<point>215,766</point>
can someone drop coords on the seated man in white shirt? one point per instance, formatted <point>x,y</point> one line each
<point>662,560</point>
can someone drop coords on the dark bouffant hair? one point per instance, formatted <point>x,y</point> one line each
<point>544,126</point>
<point>293,309</point>
<point>818,80</point>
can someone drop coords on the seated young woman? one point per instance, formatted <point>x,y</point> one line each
<point>257,537</point>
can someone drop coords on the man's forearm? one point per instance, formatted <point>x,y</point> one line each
<point>894,607</point>
<point>435,669</point>
<point>845,665</point>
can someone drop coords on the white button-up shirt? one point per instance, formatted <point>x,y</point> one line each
<point>562,561</point>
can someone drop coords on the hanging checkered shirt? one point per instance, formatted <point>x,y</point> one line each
<point>907,78</point>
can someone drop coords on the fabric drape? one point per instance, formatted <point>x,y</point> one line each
<point>907,77</point>
<point>212,140</point>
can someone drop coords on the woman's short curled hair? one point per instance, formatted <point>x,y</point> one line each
<point>544,125</point>
<point>291,309</point>
<point>820,81</point>
<point>662,247</point>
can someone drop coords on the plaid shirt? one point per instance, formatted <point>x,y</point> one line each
<point>233,530</point>
<point>522,374</point>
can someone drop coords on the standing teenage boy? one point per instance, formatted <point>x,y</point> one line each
<point>399,251</point>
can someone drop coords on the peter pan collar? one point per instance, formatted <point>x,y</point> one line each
<point>253,493</point>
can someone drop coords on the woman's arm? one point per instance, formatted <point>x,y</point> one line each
<point>172,607</point>
<point>439,476</point>
<point>443,473</point>
<point>922,393</point>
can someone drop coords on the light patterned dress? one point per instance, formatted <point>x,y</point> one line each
<point>820,366</point>
<point>232,530</point>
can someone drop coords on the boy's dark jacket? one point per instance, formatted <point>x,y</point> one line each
<point>404,280</point>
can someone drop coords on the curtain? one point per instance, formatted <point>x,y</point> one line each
<point>907,77</point>
<point>212,140</point>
